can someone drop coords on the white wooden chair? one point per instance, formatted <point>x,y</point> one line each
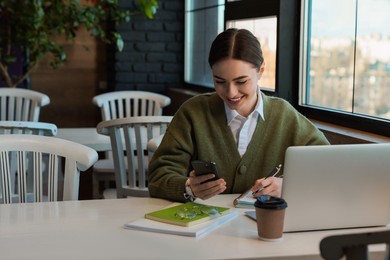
<point>76,158</point>
<point>21,104</point>
<point>27,127</point>
<point>130,136</point>
<point>122,104</point>
<point>128,103</point>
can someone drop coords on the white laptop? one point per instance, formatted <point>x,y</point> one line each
<point>336,186</point>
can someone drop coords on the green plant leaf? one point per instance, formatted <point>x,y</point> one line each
<point>40,26</point>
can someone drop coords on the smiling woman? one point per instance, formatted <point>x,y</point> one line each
<point>239,128</point>
<point>237,69</point>
<point>235,82</point>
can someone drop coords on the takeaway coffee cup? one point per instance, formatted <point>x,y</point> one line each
<point>270,217</point>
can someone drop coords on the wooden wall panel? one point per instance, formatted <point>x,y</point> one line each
<point>72,86</point>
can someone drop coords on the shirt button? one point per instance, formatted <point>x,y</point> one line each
<point>243,169</point>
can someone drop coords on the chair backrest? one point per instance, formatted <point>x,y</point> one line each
<point>26,127</point>
<point>73,156</point>
<point>129,103</point>
<point>21,104</point>
<point>353,246</point>
<point>131,135</point>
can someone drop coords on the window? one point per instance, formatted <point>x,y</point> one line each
<point>265,31</point>
<point>332,64</point>
<point>266,19</point>
<point>346,61</point>
<point>203,21</point>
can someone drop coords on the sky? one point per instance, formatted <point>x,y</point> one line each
<point>337,17</point>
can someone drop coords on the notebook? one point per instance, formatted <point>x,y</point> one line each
<point>187,214</point>
<point>336,186</point>
<point>145,224</point>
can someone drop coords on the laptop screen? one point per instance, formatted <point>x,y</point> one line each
<point>336,186</point>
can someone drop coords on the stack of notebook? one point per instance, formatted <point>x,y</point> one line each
<point>188,219</point>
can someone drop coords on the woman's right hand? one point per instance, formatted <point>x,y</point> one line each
<point>205,190</point>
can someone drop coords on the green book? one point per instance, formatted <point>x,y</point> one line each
<point>187,214</point>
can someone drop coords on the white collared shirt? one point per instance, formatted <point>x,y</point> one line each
<point>244,127</point>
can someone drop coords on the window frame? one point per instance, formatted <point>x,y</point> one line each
<point>287,13</point>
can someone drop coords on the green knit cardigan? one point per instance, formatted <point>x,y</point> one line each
<point>199,131</point>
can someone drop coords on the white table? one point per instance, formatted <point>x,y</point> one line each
<point>89,136</point>
<point>86,136</point>
<point>94,230</point>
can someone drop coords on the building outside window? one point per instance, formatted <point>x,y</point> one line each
<point>346,61</point>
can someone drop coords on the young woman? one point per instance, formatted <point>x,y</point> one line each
<point>243,131</point>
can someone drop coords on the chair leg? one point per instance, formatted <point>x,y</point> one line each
<point>95,188</point>
<point>99,185</point>
<point>356,252</point>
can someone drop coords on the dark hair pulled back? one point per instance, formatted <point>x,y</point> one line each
<point>239,44</point>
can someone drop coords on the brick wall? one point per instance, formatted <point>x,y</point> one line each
<point>153,56</point>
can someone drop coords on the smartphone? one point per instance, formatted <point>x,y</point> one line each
<point>202,167</point>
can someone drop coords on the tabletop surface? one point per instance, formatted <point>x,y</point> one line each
<point>86,136</point>
<point>93,229</point>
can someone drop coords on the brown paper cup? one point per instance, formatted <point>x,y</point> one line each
<point>270,213</point>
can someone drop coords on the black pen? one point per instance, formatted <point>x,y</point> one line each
<point>271,174</point>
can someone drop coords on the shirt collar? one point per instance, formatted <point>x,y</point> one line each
<point>231,113</point>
